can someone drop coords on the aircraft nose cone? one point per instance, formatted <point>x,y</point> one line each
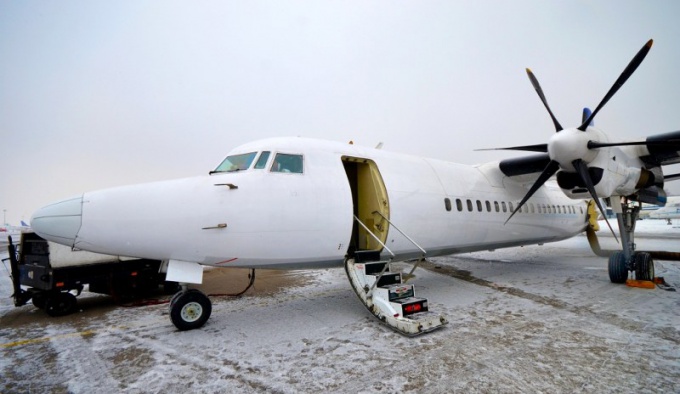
<point>59,222</point>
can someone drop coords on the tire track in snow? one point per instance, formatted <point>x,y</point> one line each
<point>671,334</point>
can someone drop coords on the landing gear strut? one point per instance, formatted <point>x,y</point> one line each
<point>628,259</point>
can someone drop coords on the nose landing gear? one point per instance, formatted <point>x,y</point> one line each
<point>190,309</point>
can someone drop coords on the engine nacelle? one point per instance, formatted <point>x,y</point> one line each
<point>614,173</point>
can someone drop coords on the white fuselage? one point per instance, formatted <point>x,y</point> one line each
<point>261,218</point>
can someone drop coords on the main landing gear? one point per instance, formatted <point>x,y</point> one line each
<point>621,262</point>
<point>641,263</point>
<point>628,259</point>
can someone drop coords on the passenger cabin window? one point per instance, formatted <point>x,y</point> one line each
<point>262,160</point>
<point>284,162</point>
<point>236,162</point>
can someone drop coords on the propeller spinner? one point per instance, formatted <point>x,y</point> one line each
<point>571,150</point>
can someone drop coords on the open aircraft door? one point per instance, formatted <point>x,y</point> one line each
<point>371,204</point>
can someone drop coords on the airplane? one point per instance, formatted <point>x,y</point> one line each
<point>298,203</point>
<point>669,212</point>
<point>7,231</point>
<point>15,229</point>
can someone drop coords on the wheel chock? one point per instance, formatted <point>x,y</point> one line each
<point>645,284</point>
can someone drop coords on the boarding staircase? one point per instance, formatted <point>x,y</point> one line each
<point>386,295</point>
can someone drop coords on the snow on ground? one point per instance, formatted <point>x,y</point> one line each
<point>540,318</point>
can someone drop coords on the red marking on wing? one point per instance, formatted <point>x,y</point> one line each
<point>227,261</point>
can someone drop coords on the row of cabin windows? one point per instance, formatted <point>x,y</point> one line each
<point>480,206</point>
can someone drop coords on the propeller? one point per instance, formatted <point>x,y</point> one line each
<point>539,91</point>
<point>531,148</point>
<point>675,144</point>
<point>568,149</point>
<point>582,170</point>
<point>549,171</point>
<point>627,72</point>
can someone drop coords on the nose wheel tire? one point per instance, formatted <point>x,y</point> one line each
<point>190,310</point>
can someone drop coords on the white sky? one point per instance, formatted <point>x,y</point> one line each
<point>96,94</point>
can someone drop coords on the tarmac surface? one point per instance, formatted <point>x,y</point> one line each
<point>532,319</point>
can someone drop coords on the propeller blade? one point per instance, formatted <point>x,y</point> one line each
<point>586,114</point>
<point>549,171</point>
<point>537,87</point>
<point>582,170</point>
<point>666,144</point>
<point>530,148</point>
<point>671,177</point>
<point>627,72</point>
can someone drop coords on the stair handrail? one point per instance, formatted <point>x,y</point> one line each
<point>369,293</point>
<point>402,233</point>
<point>373,235</point>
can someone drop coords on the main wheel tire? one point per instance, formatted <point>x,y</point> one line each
<point>644,266</point>
<point>190,310</point>
<point>60,304</point>
<point>618,271</point>
<point>39,300</point>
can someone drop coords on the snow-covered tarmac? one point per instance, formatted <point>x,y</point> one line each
<point>532,319</point>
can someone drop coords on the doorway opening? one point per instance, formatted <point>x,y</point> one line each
<point>371,204</point>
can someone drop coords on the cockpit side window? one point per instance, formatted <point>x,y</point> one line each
<point>262,160</point>
<point>284,162</point>
<point>236,162</point>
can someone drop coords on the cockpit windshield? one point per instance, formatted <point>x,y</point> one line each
<point>236,163</point>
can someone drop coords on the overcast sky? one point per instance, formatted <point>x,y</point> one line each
<point>96,94</point>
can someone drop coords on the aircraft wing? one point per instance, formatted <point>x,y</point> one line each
<point>524,165</point>
<point>662,149</point>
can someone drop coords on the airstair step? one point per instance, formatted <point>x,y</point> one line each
<point>389,278</point>
<point>398,291</point>
<point>375,267</point>
<point>410,305</point>
<point>363,256</point>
